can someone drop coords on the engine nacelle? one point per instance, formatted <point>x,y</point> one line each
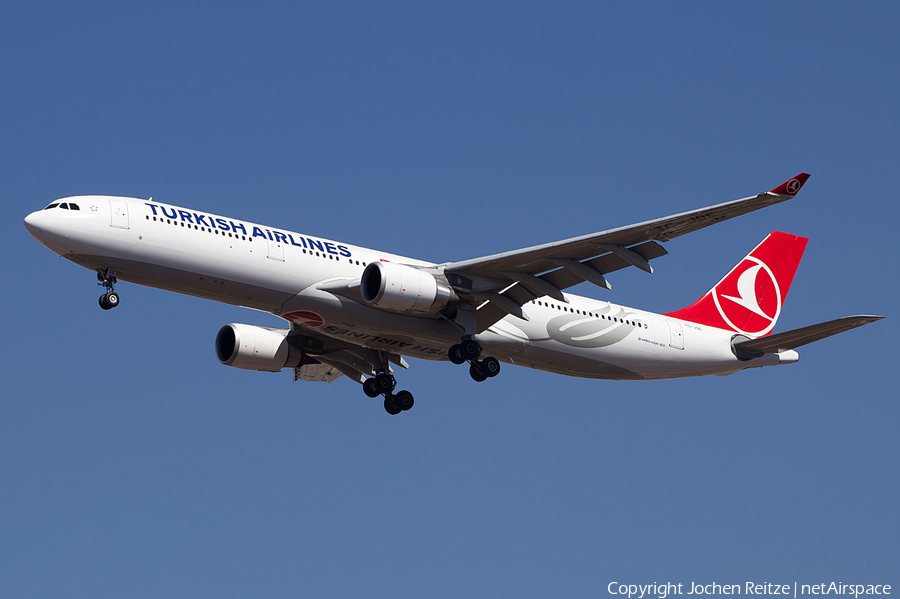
<point>256,348</point>
<point>404,289</point>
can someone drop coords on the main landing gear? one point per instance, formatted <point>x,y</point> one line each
<point>107,278</point>
<point>468,351</point>
<point>384,384</point>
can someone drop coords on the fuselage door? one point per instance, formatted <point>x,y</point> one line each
<point>676,336</point>
<point>276,250</point>
<point>118,213</point>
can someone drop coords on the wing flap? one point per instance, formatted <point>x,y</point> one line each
<point>490,312</point>
<point>316,373</point>
<point>607,263</point>
<point>780,342</point>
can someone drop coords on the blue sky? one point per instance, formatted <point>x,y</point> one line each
<point>134,464</point>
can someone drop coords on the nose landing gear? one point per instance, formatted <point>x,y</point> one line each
<point>107,278</point>
<point>468,351</point>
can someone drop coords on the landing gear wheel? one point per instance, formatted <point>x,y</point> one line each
<point>370,389</point>
<point>107,278</point>
<point>455,355</point>
<point>384,383</point>
<point>490,366</point>
<point>477,374</point>
<point>469,349</point>
<point>390,407</point>
<point>404,400</point>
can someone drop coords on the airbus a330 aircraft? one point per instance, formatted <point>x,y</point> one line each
<point>356,312</point>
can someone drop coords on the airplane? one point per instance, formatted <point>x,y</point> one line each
<point>358,312</point>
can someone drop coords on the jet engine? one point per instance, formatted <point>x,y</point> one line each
<point>256,348</point>
<point>400,288</point>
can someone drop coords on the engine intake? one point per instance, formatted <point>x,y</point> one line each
<point>256,348</point>
<point>404,289</point>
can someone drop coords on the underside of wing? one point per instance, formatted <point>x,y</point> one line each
<point>326,359</point>
<point>316,373</point>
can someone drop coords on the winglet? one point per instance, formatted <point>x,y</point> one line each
<point>792,186</point>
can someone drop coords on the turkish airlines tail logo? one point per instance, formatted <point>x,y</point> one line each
<point>748,299</point>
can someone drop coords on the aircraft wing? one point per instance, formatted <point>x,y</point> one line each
<point>317,373</point>
<point>500,284</point>
<point>326,359</point>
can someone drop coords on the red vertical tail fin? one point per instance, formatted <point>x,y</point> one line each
<point>748,299</point>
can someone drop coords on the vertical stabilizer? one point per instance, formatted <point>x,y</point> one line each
<point>748,299</point>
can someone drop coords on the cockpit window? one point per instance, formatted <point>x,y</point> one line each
<point>64,206</point>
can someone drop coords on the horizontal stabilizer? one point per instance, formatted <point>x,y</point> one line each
<point>774,344</point>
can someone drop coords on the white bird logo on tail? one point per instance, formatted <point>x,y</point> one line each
<point>747,298</point>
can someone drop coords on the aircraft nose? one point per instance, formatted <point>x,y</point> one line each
<point>33,222</point>
<point>45,228</point>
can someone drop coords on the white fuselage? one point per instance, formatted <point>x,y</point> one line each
<point>280,272</point>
